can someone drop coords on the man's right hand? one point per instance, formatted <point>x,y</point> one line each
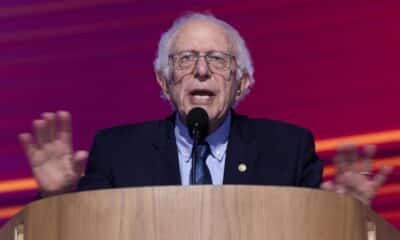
<point>56,167</point>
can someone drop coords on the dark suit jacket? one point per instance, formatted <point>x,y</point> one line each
<point>145,154</point>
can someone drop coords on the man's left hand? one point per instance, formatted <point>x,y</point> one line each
<point>353,173</point>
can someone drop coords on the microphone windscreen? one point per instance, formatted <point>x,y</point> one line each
<point>197,120</point>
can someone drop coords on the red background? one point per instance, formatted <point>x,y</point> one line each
<point>330,66</point>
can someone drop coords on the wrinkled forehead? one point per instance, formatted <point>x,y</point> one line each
<point>202,36</point>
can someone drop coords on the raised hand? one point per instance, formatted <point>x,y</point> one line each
<point>56,167</point>
<point>353,173</point>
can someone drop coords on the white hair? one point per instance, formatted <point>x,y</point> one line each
<point>241,52</point>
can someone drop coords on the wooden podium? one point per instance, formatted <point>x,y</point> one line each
<point>199,212</point>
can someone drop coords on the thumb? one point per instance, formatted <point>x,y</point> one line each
<point>328,186</point>
<point>80,156</point>
<point>79,160</point>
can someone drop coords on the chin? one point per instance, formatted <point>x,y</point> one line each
<point>213,114</point>
<point>209,111</point>
<point>191,106</point>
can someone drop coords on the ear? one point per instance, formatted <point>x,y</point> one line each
<point>244,84</point>
<point>162,81</point>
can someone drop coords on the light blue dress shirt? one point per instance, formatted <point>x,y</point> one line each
<point>218,142</point>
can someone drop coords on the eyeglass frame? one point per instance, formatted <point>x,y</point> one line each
<point>198,55</point>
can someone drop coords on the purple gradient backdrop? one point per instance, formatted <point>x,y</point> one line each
<point>330,66</point>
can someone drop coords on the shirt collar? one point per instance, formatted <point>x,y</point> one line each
<point>218,140</point>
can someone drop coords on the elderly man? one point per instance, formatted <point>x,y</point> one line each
<point>202,62</point>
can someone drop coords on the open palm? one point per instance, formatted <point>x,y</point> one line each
<point>55,166</point>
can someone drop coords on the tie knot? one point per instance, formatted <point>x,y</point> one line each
<point>203,150</point>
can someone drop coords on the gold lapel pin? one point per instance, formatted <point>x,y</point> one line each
<point>242,167</point>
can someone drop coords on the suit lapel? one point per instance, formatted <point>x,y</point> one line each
<point>167,170</point>
<point>241,153</point>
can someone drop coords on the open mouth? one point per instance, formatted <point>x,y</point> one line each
<point>202,92</point>
<point>201,96</point>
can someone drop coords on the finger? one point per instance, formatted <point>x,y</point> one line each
<point>369,152</point>
<point>381,177</point>
<point>40,131</point>
<point>328,186</point>
<point>50,119</point>
<point>339,162</point>
<point>351,156</point>
<point>80,155</point>
<point>65,133</point>
<point>346,157</point>
<point>26,141</point>
<point>346,147</point>
<point>332,187</point>
<point>79,160</point>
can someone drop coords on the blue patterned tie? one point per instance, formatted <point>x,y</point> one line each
<point>202,173</point>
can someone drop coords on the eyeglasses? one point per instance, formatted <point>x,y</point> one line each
<point>217,61</point>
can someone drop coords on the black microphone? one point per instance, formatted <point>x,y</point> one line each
<point>198,126</point>
<point>198,123</point>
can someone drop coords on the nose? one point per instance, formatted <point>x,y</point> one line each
<point>201,70</point>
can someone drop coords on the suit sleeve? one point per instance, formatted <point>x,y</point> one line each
<point>98,169</point>
<point>310,169</point>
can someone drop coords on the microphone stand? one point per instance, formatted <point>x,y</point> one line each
<point>194,155</point>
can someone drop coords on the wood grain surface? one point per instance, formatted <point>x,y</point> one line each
<point>199,212</point>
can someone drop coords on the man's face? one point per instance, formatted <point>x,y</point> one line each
<point>215,90</point>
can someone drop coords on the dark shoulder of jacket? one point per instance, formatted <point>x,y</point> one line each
<point>262,127</point>
<point>141,131</point>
